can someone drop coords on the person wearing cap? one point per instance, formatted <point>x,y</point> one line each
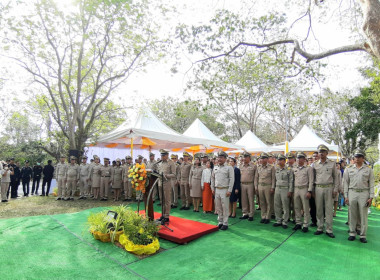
<point>265,181</point>
<point>26,176</point>
<point>95,177</point>
<point>126,182</point>
<point>48,172</point>
<point>247,171</point>
<point>204,160</point>
<point>184,181</point>
<point>72,178</point>
<point>222,183</point>
<point>175,181</point>
<point>84,175</point>
<point>291,162</point>
<point>359,190</point>
<point>117,181</point>
<point>326,188</point>
<point>303,187</point>
<point>208,201</point>
<point>5,173</point>
<point>195,186</point>
<point>37,173</point>
<point>152,165</point>
<point>283,191</point>
<point>60,175</point>
<point>106,178</point>
<point>167,168</point>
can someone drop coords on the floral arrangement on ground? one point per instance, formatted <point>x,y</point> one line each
<point>127,229</point>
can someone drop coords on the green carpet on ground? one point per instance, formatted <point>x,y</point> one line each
<point>60,247</point>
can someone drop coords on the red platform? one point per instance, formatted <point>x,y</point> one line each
<point>184,230</point>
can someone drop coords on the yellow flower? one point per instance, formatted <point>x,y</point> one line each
<point>141,230</point>
<point>141,178</point>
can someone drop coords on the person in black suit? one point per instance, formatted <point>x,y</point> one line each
<point>48,172</point>
<point>15,178</point>
<point>26,175</point>
<point>37,173</point>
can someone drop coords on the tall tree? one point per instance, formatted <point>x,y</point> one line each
<point>80,54</point>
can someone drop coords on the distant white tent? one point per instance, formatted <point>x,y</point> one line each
<point>251,143</point>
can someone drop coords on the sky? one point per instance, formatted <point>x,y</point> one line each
<point>158,81</point>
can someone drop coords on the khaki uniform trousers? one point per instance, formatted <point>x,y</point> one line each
<point>222,205</point>
<point>104,187</point>
<point>84,187</point>
<point>248,199</point>
<point>61,187</point>
<point>71,187</point>
<point>324,205</point>
<point>185,194</point>
<point>4,190</point>
<point>168,197</point>
<point>174,192</point>
<point>265,201</point>
<point>358,212</point>
<point>301,203</point>
<point>127,190</point>
<point>281,204</point>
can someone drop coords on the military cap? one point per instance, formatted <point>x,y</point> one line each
<point>119,160</point>
<point>128,157</point>
<point>140,156</point>
<point>12,158</point>
<point>84,157</point>
<point>106,158</point>
<point>359,153</point>
<point>246,154</point>
<point>204,155</point>
<point>164,152</point>
<point>301,155</point>
<point>173,156</point>
<point>73,158</point>
<point>95,156</point>
<point>62,156</point>
<point>27,161</point>
<point>322,148</point>
<point>290,155</point>
<point>264,155</point>
<point>151,154</point>
<point>281,157</point>
<point>271,155</point>
<point>222,154</point>
<point>186,154</point>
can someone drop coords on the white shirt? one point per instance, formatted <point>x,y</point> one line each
<point>206,176</point>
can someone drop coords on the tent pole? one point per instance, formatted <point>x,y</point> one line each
<point>132,148</point>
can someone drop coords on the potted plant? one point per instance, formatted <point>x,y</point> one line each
<point>99,226</point>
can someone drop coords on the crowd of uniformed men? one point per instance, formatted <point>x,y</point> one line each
<point>308,190</point>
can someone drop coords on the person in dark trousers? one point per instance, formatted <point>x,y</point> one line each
<point>26,175</point>
<point>37,173</point>
<point>48,172</point>
<point>15,178</point>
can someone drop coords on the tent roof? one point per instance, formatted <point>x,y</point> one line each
<point>252,143</point>
<point>199,130</point>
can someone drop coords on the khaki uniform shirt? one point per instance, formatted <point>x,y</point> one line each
<point>265,175</point>
<point>185,172</point>
<point>223,176</point>
<point>359,179</point>
<point>106,171</point>
<point>284,178</point>
<point>248,173</point>
<point>125,171</point>
<point>326,174</point>
<point>168,169</point>
<point>73,172</point>
<point>95,170</point>
<point>60,170</point>
<point>84,170</point>
<point>303,176</point>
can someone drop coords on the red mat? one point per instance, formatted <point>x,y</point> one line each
<point>184,230</point>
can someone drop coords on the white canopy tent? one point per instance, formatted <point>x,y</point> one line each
<point>251,144</point>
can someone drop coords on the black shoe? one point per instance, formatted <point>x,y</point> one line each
<point>59,198</point>
<point>250,219</point>
<point>266,221</point>
<point>81,197</point>
<point>224,227</point>
<point>284,226</point>
<point>243,217</point>
<point>305,229</point>
<point>313,225</point>
<point>262,221</point>
<point>351,238</point>
<point>363,240</point>
<point>160,218</point>
<point>330,234</point>
<point>273,217</point>
<point>125,199</point>
<point>84,197</point>
<point>103,199</point>
<point>220,226</point>
<point>4,200</point>
<point>165,220</point>
<point>346,223</point>
<point>187,208</point>
<point>276,225</point>
<point>42,195</point>
<point>297,227</point>
<point>72,198</point>
<point>233,217</point>
<point>318,232</point>
<point>182,208</point>
<point>174,206</point>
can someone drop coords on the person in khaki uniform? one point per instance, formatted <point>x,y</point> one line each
<point>247,171</point>
<point>168,169</point>
<point>358,182</point>
<point>175,181</point>
<point>117,181</point>
<point>282,192</point>
<point>72,178</point>
<point>106,177</point>
<point>264,182</point>
<point>60,175</point>
<point>184,182</point>
<point>195,185</point>
<point>126,182</point>
<point>326,188</point>
<point>303,187</point>
<point>291,162</point>
<point>84,178</point>
<point>152,165</point>
<point>95,177</point>
<point>222,183</point>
